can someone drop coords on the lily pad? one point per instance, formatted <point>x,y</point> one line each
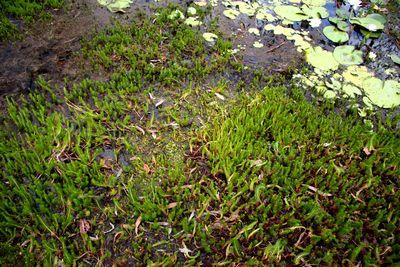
<point>200,3</point>
<point>377,17</point>
<point>369,23</point>
<point>231,13</point>
<point>335,35</point>
<point>210,37</point>
<point>329,94</point>
<point>116,5</point>
<point>347,55</point>
<point>342,13</point>
<point>257,44</point>
<point>292,13</point>
<point>254,31</point>
<point>351,90</point>
<point>395,59</point>
<point>314,2</point>
<point>382,94</point>
<point>321,59</point>
<point>342,25</point>
<point>192,21</point>
<point>356,75</point>
<point>316,12</point>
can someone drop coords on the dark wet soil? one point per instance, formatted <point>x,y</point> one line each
<point>49,47</point>
<point>276,56</point>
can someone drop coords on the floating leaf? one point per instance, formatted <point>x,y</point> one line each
<point>314,2</point>
<point>356,75</point>
<point>342,25</point>
<point>192,21</point>
<point>335,35</point>
<point>316,12</point>
<point>292,13</point>
<point>351,90</point>
<point>116,5</point>
<point>347,55</point>
<point>254,31</point>
<point>329,94</point>
<point>257,44</point>
<point>321,59</point>
<point>382,94</point>
<point>377,17</point>
<point>245,8</point>
<point>210,37</point>
<point>201,3</point>
<point>369,23</point>
<point>231,13</point>
<point>342,13</point>
<point>395,58</point>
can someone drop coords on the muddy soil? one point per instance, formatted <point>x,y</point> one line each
<point>277,56</point>
<point>49,48</point>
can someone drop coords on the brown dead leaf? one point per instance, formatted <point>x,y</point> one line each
<point>234,216</point>
<point>146,168</point>
<point>172,205</point>
<point>137,223</point>
<point>84,226</point>
<point>366,151</point>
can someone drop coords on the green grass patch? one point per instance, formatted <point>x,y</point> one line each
<point>292,184</point>
<point>166,162</point>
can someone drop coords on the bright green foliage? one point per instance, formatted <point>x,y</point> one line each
<point>335,35</point>
<point>290,175</point>
<point>347,55</point>
<point>74,155</point>
<point>116,5</point>
<point>321,59</point>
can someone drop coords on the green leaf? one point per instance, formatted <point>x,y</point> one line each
<point>321,59</point>
<point>395,59</point>
<point>316,12</point>
<point>382,94</point>
<point>116,5</point>
<point>347,55</point>
<point>210,37</point>
<point>335,35</point>
<point>368,23</point>
<point>292,13</point>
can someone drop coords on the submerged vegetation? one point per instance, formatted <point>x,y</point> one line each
<point>182,155</point>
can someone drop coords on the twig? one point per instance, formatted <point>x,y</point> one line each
<point>276,47</point>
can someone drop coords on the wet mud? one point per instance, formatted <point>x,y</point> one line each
<point>48,48</point>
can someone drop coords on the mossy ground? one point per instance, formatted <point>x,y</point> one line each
<point>179,159</point>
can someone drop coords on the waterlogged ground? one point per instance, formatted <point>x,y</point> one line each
<point>213,133</point>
